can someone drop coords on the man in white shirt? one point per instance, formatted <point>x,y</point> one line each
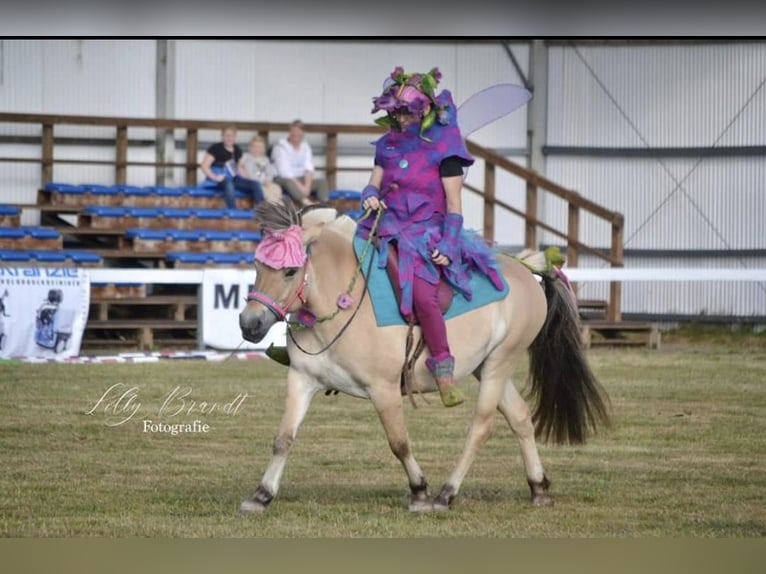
<point>295,168</point>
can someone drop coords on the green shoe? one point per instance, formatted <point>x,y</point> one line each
<point>278,354</point>
<point>451,395</point>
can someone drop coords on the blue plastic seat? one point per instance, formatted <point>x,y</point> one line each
<point>210,213</point>
<point>200,192</point>
<point>41,232</point>
<point>169,191</point>
<point>186,257</point>
<point>134,190</point>
<point>82,257</point>
<point>239,213</point>
<point>105,211</point>
<point>98,189</point>
<point>245,257</point>
<point>345,194</point>
<point>15,255</point>
<point>64,187</point>
<point>143,211</point>
<point>9,210</point>
<point>249,235</point>
<point>186,234</point>
<point>12,233</point>
<point>48,256</point>
<point>216,235</point>
<point>175,212</point>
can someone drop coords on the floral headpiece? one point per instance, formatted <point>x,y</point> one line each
<point>414,92</point>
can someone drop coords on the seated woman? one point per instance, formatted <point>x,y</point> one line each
<point>222,166</point>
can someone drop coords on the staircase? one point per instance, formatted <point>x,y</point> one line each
<point>597,331</point>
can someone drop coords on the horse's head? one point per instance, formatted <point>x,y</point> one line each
<point>282,268</point>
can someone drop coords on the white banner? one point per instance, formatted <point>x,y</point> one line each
<point>43,311</point>
<point>223,297</point>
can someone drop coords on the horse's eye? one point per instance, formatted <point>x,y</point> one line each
<point>291,272</point>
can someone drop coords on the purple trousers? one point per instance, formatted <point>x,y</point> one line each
<point>425,301</point>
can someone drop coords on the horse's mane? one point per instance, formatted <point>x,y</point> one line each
<point>279,215</point>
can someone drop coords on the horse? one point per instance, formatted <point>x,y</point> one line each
<point>345,351</point>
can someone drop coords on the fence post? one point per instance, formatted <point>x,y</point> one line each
<point>331,160</point>
<point>489,201</point>
<point>614,311</point>
<point>191,156</point>
<point>573,236</point>
<point>121,156</point>
<point>47,155</point>
<point>530,229</point>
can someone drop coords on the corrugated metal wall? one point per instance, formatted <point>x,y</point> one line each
<point>663,96</point>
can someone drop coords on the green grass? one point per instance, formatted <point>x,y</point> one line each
<point>686,456</point>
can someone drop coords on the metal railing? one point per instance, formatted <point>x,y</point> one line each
<point>535,183</point>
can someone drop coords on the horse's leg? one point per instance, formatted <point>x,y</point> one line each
<point>516,412</point>
<point>388,404</point>
<point>490,390</point>
<point>300,390</point>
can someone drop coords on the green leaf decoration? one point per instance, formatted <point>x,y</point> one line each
<point>428,120</point>
<point>384,121</point>
<point>428,84</point>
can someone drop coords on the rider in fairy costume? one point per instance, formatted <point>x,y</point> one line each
<point>417,180</point>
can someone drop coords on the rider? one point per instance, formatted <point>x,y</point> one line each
<point>417,180</point>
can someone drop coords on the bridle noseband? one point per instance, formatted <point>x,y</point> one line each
<point>281,311</point>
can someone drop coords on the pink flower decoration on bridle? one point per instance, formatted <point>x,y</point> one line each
<point>280,249</point>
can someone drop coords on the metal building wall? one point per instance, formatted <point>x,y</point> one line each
<point>71,77</point>
<point>665,96</point>
<point>654,97</point>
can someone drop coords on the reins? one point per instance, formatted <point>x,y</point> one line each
<point>357,271</point>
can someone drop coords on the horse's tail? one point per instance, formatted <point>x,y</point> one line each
<point>568,399</point>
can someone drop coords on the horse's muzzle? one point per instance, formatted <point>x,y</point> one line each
<point>254,326</point>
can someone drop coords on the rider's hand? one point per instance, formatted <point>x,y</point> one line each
<point>438,258</point>
<point>372,203</point>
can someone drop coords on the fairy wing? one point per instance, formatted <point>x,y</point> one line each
<point>489,105</point>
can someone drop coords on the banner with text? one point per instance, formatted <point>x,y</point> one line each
<point>223,298</point>
<point>43,311</point>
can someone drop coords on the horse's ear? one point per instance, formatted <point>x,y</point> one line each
<point>311,234</point>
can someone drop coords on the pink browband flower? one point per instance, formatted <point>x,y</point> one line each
<point>280,249</point>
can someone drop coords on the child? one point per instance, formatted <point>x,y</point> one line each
<point>257,166</point>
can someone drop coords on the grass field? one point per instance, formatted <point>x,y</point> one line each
<point>686,455</point>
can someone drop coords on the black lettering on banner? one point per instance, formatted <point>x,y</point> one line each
<point>222,299</point>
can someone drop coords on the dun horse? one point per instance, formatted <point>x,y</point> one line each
<point>349,353</point>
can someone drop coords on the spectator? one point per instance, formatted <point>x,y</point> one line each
<point>257,166</point>
<point>295,168</point>
<point>221,165</point>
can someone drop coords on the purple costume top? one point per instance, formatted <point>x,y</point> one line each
<point>416,203</point>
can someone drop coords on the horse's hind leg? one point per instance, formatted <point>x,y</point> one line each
<point>300,390</point>
<point>388,404</point>
<point>516,412</point>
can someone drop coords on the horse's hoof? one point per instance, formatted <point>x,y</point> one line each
<point>421,505</point>
<point>542,501</point>
<point>251,507</point>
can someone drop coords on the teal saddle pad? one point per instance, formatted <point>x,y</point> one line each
<point>386,307</point>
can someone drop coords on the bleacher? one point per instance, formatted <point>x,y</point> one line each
<point>95,225</point>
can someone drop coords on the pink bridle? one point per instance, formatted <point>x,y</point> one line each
<point>281,311</point>
<point>278,250</point>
